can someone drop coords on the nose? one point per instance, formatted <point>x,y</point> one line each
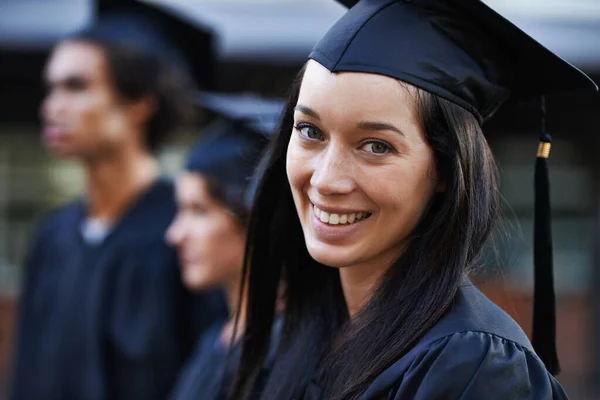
<point>50,106</point>
<point>53,105</point>
<point>175,233</point>
<point>332,173</point>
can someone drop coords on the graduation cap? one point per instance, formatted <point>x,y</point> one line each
<point>161,30</point>
<point>464,52</point>
<point>258,113</point>
<point>232,145</point>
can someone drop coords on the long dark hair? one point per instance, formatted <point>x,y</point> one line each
<point>318,340</point>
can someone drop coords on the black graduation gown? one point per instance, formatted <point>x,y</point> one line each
<point>111,321</point>
<point>475,352</point>
<point>209,375</point>
<point>202,377</point>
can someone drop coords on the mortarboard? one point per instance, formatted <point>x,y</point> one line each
<point>258,113</point>
<point>161,31</point>
<point>231,146</point>
<point>464,52</point>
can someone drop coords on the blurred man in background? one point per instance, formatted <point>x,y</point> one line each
<point>103,312</point>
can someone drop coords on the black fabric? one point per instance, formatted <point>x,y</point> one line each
<point>460,50</point>
<point>544,302</point>
<point>230,147</point>
<point>159,29</point>
<point>476,351</point>
<point>111,321</point>
<point>209,374</point>
<point>228,153</point>
<point>257,113</point>
<point>203,375</point>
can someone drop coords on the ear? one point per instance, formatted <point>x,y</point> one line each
<point>440,187</point>
<point>140,111</point>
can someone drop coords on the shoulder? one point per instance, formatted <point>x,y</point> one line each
<point>143,227</point>
<point>473,311</point>
<point>60,217</point>
<point>467,365</point>
<point>163,188</point>
<point>54,225</point>
<point>475,351</point>
<point>156,209</point>
<point>209,339</point>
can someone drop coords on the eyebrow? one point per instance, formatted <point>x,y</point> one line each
<point>78,79</point>
<point>378,126</point>
<point>308,111</point>
<point>364,125</point>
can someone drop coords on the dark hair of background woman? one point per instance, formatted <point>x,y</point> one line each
<point>137,73</point>
<point>235,204</point>
<point>318,340</point>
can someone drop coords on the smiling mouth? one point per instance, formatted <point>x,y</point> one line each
<point>339,219</point>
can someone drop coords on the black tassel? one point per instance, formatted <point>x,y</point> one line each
<point>544,303</point>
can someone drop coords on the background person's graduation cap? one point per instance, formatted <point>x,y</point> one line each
<point>256,112</point>
<point>155,28</point>
<point>464,52</point>
<point>231,146</point>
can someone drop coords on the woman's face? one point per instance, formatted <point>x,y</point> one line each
<point>208,238</point>
<point>359,167</point>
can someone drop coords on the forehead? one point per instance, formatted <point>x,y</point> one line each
<point>76,59</point>
<point>357,94</point>
<point>192,186</point>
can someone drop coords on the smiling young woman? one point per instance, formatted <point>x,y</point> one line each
<point>378,198</point>
<point>426,206</point>
<point>361,172</point>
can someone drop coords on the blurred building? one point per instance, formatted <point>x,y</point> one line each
<point>261,45</point>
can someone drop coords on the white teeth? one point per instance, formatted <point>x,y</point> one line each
<point>317,212</point>
<point>339,219</point>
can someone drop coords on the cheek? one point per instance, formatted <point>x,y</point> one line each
<point>99,116</point>
<point>220,243</point>
<point>298,166</point>
<point>114,125</point>
<point>87,109</point>
<point>404,192</point>
<point>204,236</point>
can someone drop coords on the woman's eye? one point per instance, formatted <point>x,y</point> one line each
<point>377,147</point>
<point>309,131</point>
<point>197,210</point>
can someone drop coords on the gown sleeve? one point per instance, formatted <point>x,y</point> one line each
<point>476,365</point>
<point>153,323</point>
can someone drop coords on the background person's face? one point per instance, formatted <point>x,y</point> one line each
<point>82,114</point>
<point>359,167</point>
<point>208,238</point>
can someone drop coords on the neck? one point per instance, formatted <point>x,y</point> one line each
<point>360,281</point>
<point>358,284</point>
<point>113,183</point>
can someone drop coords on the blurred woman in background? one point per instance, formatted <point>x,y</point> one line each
<point>209,233</point>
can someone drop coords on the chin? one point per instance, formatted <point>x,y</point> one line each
<point>332,256</point>
<point>196,281</point>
